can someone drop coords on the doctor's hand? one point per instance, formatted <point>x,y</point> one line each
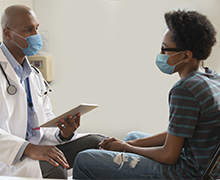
<point>68,127</point>
<point>50,154</point>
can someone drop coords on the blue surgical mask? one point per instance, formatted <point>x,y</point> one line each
<point>34,44</point>
<point>161,62</point>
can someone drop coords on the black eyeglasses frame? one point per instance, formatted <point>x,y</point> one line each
<point>169,49</point>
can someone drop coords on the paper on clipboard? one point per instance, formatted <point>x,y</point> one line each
<point>82,109</point>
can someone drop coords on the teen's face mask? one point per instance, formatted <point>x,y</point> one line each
<point>34,44</point>
<point>161,62</point>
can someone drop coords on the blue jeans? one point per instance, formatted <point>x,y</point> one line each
<point>102,164</point>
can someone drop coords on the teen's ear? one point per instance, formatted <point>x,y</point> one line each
<point>187,56</point>
<point>7,33</point>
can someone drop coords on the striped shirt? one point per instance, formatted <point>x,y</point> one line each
<point>194,103</point>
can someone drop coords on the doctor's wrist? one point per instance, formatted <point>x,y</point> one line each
<point>64,138</point>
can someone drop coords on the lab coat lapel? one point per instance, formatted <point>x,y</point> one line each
<point>9,71</point>
<point>36,102</point>
<point>34,92</point>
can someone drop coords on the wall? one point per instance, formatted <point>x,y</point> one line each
<point>104,52</point>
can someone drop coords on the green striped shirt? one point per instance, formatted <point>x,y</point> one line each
<point>194,103</point>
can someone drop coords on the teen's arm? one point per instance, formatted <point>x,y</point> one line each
<point>154,140</point>
<point>167,153</point>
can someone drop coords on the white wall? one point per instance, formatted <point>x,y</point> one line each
<point>104,52</point>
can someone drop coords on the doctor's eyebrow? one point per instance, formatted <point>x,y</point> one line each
<point>30,26</point>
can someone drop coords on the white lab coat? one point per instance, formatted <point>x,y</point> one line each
<point>13,122</point>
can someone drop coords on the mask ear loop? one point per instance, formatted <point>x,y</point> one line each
<point>176,54</point>
<point>19,36</point>
<point>17,44</point>
<point>178,63</point>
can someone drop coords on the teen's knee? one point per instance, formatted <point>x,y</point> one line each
<point>82,158</point>
<point>135,135</point>
<point>81,163</point>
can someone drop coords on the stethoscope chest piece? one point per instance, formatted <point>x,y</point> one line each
<point>11,89</point>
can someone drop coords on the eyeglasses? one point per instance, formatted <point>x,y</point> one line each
<point>169,49</point>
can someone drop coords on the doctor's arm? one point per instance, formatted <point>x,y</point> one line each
<point>66,128</point>
<point>10,146</point>
<point>50,154</point>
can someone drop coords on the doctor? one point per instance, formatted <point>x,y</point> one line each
<point>25,150</point>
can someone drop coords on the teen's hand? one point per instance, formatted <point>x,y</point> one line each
<point>114,144</point>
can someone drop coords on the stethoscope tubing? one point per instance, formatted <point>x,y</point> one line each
<point>47,84</point>
<point>11,89</point>
<point>5,75</point>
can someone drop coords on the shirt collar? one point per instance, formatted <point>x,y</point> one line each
<point>26,65</point>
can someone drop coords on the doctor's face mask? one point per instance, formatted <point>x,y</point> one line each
<point>34,44</point>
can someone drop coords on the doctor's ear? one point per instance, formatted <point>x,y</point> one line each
<point>7,33</point>
<point>187,56</point>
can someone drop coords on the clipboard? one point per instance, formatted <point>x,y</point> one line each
<point>83,108</point>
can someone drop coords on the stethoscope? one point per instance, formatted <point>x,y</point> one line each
<point>11,89</point>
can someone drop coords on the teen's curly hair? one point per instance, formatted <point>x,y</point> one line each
<point>191,31</point>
